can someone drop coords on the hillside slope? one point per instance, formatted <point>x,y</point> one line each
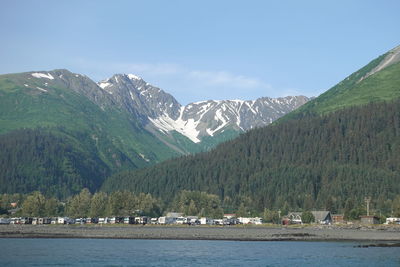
<point>377,81</point>
<point>308,162</point>
<point>341,146</point>
<point>72,109</point>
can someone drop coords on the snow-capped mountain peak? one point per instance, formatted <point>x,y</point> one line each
<point>134,77</point>
<point>161,112</point>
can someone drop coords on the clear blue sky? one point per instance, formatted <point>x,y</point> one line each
<point>198,50</point>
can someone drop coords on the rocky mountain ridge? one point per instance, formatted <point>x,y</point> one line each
<point>163,112</point>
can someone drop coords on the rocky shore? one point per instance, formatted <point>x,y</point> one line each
<point>241,233</point>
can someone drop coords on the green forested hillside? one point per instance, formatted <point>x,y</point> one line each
<point>28,107</point>
<point>358,89</point>
<point>50,162</point>
<point>89,125</point>
<point>312,162</point>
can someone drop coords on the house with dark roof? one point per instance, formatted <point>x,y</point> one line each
<point>322,217</point>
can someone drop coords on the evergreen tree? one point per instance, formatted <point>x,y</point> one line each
<point>307,217</point>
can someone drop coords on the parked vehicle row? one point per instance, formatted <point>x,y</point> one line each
<point>170,218</point>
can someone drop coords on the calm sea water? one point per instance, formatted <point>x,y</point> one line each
<point>117,252</point>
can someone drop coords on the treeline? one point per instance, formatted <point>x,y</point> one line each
<point>50,162</point>
<point>84,204</point>
<point>190,203</point>
<point>118,203</point>
<point>315,162</point>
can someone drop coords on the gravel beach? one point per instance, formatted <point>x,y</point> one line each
<point>250,233</point>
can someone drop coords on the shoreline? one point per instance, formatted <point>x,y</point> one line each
<point>231,233</point>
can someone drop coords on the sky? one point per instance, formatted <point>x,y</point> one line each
<point>201,50</point>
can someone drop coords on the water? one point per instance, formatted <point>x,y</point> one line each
<point>119,252</point>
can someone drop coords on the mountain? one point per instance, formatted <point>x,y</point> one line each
<point>78,132</point>
<point>72,108</point>
<point>165,117</point>
<point>329,154</point>
<point>377,81</point>
<point>210,118</point>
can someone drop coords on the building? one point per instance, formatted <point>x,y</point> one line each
<point>369,220</point>
<point>285,220</point>
<point>337,218</point>
<point>322,217</point>
<point>295,218</point>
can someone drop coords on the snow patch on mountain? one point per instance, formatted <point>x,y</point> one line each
<point>42,75</point>
<point>185,127</point>
<point>134,77</point>
<point>132,95</point>
<point>104,84</point>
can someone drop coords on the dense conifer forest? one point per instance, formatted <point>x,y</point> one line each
<point>314,162</point>
<point>48,161</point>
